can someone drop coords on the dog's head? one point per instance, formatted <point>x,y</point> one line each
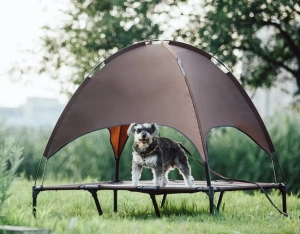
<point>143,133</point>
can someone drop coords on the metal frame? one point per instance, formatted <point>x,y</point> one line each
<point>174,188</point>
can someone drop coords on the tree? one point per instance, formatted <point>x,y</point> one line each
<point>264,35</point>
<point>228,29</point>
<point>95,30</point>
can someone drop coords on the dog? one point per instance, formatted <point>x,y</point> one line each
<point>160,154</point>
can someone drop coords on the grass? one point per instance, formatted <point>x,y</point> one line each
<point>75,212</point>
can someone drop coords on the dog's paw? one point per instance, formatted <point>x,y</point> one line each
<point>163,183</point>
<point>135,184</point>
<point>190,182</point>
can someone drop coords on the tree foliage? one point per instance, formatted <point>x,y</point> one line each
<point>94,30</point>
<point>263,35</point>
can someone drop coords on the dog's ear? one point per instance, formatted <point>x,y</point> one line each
<point>131,129</point>
<point>154,128</point>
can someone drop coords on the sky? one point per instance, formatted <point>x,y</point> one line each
<point>20,25</point>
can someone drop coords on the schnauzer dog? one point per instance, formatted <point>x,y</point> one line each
<point>157,153</point>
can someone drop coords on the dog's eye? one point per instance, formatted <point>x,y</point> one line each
<point>138,131</point>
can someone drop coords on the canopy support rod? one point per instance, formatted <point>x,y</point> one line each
<point>117,170</point>
<point>98,65</point>
<point>276,156</point>
<point>273,167</point>
<point>194,105</point>
<point>44,171</point>
<point>38,170</point>
<point>207,172</point>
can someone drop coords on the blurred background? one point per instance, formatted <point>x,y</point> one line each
<point>48,49</point>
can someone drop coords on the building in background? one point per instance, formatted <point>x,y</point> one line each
<point>276,100</point>
<point>35,112</point>
<point>38,111</point>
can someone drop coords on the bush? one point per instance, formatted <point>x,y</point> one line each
<point>232,154</point>
<point>235,155</point>
<point>10,160</point>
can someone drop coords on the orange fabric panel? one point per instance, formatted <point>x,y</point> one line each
<point>118,138</point>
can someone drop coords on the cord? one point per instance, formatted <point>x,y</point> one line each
<point>237,180</point>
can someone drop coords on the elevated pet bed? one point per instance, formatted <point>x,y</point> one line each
<point>168,83</point>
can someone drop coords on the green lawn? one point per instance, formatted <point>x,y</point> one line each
<point>75,212</point>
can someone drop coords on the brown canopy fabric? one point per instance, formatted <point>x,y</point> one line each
<point>168,83</point>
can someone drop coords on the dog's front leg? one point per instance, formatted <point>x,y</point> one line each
<point>136,173</point>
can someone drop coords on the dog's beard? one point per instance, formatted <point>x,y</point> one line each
<point>143,143</point>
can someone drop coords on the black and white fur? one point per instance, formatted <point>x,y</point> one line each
<point>157,153</point>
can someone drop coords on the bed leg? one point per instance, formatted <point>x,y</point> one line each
<point>115,200</point>
<point>220,200</point>
<point>163,200</point>
<point>155,204</point>
<point>211,194</point>
<point>94,194</point>
<point>35,193</point>
<point>283,195</point>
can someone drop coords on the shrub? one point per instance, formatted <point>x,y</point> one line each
<point>232,154</point>
<point>10,160</point>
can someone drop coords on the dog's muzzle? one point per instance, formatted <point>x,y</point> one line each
<point>144,140</point>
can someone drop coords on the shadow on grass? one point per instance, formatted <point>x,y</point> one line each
<point>170,210</point>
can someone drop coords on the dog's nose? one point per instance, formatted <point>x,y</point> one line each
<point>144,135</point>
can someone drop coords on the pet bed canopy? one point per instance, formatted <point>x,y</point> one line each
<point>164,82</point>
<point>172,84</point>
